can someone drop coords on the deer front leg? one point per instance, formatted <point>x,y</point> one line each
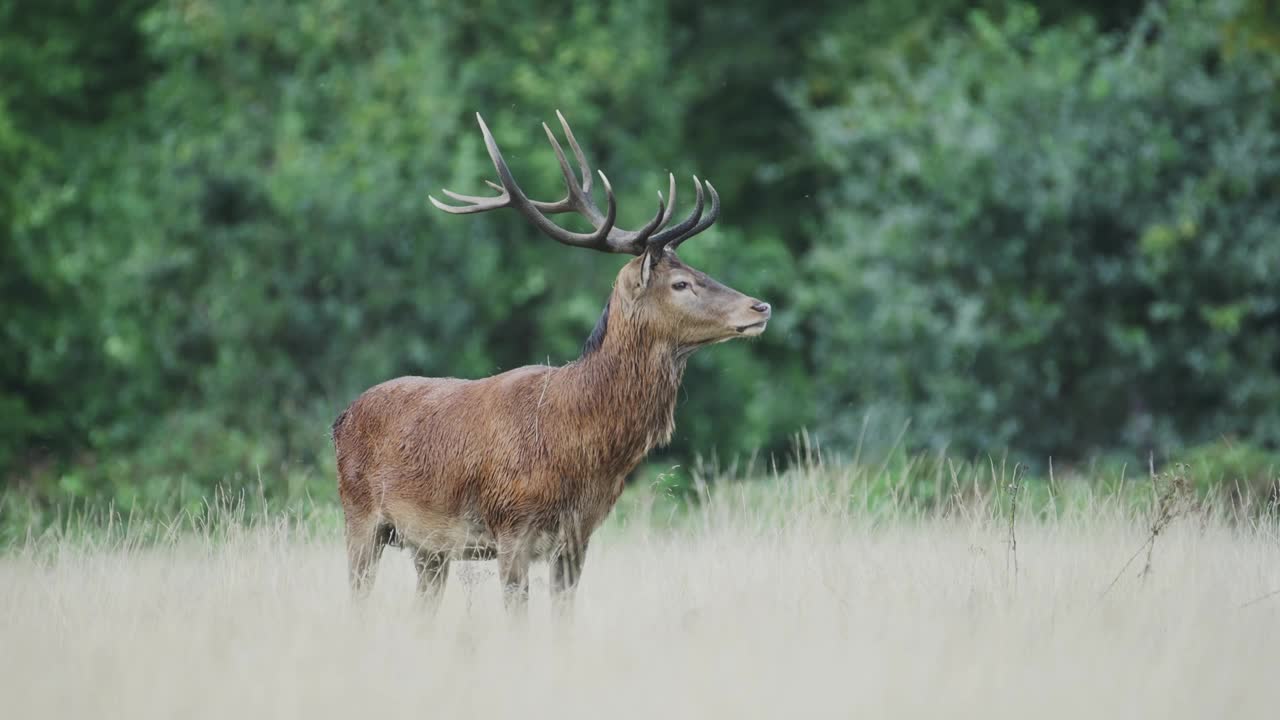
<point>513,572</point>
<point>365,541</point>
<point>433,572</point>
<point>566,569</point>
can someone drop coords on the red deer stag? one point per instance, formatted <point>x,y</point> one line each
<point>524,465</point>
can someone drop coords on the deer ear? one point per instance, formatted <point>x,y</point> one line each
<point>646,269</point>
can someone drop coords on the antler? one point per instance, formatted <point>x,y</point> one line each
<point>605,237</point>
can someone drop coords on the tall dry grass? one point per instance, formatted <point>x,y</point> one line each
<point>794,598</point>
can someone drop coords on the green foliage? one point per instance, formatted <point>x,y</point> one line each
<point>67,72</point>
<point>1054,239</point>
<point>1247,473</point>
<point>1053,235</point>
<point>1256,27</point>
<point>250,246</point>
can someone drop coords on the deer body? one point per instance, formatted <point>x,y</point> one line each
<point>525,465</point>
<point>453,464</point>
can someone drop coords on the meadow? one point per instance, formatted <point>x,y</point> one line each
<point>820,592</point>
<point>1048,227</point>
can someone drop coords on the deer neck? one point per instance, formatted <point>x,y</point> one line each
<point>627,382</point>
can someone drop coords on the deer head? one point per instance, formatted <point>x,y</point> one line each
<point>667,297</point>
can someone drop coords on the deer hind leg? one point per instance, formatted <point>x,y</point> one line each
<point>514,557</point>
<point>566,570</point>
<point>365,542</point>
<point>433,573</point>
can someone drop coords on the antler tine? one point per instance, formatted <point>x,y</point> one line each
<point>578,197</point>
<point>671,193</point>
<point>712,215</point>
<point>507,180</point>
<point>664,212</point>
<point>476,203</point>
<point>637,241</point>
<point>473,198</point>
<point>578,154</point>
<point>662,239</point>
<point>610,215</point>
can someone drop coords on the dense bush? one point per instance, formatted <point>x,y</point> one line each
<point>69,73</point>
<point>1051,235</point>
<point>1054,239</point>
<point>246,244</point>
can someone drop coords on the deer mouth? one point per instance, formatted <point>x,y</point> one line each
<point>753,329</point>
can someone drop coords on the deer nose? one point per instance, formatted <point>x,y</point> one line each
<point>761,307</point>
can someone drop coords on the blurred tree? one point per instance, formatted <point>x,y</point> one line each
<point>1055,239</point>
<point>1110,15</point>
<point>215,231</point>
<point>273,252</point>
<point>1256,27</point>
<point>67,72</point>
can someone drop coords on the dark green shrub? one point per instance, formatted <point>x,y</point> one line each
<point>1054,239</point>
<point>1241,472</point>
<point>208,278</point>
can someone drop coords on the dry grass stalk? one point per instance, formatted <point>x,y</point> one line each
<point>1173,499</point>
<point>1011,558</point>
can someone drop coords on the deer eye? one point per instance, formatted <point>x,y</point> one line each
<point>682,285</point>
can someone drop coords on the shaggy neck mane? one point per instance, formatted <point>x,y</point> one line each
<point>596,339</point>
<point>622,391</point>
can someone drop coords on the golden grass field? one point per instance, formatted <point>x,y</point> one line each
<point>769,602</point>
